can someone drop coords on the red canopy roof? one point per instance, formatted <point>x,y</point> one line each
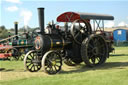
<point>72,16</point>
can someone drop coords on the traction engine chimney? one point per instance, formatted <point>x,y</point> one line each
<point>41,19</point>
<point>16,29</point>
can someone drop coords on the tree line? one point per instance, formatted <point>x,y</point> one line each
<point>4,32</point>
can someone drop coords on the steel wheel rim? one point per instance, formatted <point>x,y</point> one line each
<point>52,62</point>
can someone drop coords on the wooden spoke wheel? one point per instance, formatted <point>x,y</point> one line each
<point>51,62</point>
<point>80,29</point>
<point>94,50</point>
<point>15,54</point>
<point>32,61</point>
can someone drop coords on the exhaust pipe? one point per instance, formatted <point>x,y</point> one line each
<point>41,19</point>
<point>16,29</point>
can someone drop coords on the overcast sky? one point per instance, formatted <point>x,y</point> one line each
<point>25,11</point>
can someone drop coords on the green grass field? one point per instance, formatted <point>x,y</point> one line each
<point>113,72</point>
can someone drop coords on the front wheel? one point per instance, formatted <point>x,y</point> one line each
<point>51,62</point>
<point>32,61</point>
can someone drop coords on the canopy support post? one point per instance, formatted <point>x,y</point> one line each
<point>103,24</point>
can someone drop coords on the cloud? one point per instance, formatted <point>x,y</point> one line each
<point>14,1</point>
<point>12,8</point>
<point>127,17</point>
<point>109,24</point>
<point>122,24</point>
<point>26,14</point>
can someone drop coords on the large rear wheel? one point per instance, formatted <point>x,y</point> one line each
<point>94,50</point>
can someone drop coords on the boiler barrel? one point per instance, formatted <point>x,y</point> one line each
<point>49,42</point>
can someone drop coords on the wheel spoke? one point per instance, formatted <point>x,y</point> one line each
<point>93,60</point>
<point>55,68</point>
<point>90,45</point>
<point>95,42</point>
<point>31,55</point>
<point>57,65</point>
<point>28,61</point>
<point>58,61</point>
<point>98,59</point>
<point>29,65</point>
<point>51,69</point>
<point>77,35</point>
<point>29,58</point>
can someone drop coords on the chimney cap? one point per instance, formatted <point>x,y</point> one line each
<point>40,8</point>
<point>15,22</point>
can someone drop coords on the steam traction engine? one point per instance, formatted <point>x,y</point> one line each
<point>73,44</point>
<point>15,46</point>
